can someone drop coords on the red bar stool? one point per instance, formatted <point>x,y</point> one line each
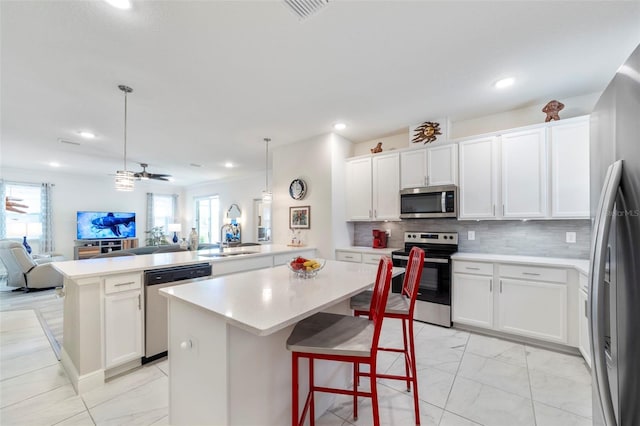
<point>342,338</point>
<point>400,306</point>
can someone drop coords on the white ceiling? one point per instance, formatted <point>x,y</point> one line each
<point>211,79</point>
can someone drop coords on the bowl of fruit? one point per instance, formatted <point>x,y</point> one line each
<point>305,268</point>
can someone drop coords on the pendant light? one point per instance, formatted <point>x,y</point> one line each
<point>125,178</point>
<point>267,196</point>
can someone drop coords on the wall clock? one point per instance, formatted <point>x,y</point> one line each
<point>297,189</point>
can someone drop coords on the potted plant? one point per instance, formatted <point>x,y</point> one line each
<point>156,236</point>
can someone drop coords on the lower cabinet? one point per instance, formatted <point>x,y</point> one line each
<point>359,257</point>
<point>510,301</point>
<point>123,319</point>
<point>123,327</point>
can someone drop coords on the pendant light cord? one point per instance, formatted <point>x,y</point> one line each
<point>125,130</point>
<point>266,164</point>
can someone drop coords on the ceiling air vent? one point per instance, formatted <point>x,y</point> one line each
<point>305,8</point>
<point>68,142</point>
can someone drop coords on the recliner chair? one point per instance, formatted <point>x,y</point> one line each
<point>24,271</point>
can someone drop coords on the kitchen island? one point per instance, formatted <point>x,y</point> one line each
<point>228,362</point>
<point>104,308</point>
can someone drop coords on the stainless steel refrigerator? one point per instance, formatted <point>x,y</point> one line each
<point>614,297</point>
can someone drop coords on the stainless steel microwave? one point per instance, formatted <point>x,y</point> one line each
<point>429,202</point>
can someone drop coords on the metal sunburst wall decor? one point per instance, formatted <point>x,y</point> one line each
<point>427,132</point>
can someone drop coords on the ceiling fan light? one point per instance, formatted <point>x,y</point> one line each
<point>124,180</point>
<point>120,4</point>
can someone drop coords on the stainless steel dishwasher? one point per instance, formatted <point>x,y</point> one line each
<point>155,317</point>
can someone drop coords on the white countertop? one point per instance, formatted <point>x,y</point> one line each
<point>75,269</point>
<point>267,300</point>
<point>581,265</point>
<point>363,249</point>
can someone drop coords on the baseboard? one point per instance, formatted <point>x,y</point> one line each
<point>81,383</point>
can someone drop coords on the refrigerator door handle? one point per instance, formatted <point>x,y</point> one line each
<point>596,298</point>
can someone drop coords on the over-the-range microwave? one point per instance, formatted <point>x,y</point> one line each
<point>429,202</point>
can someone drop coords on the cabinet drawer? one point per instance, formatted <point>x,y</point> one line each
<point>473,267</point>
<point>348,256</point>
<point>118,283</point>
<point>536,273</point>
<point>373,259</point>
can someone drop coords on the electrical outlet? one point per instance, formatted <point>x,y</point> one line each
<point>571,237</point>
<point>388,231</point>
<point>471,235</point>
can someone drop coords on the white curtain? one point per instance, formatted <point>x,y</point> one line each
<point>176,215</point>
<point>3,212</point>
<point>46,214</point>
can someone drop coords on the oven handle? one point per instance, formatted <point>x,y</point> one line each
<point>426,260</point>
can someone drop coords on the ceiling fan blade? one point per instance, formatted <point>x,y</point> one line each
<point>157,175</point>
<point>159,178</point>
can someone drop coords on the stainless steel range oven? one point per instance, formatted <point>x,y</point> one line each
<point>434,294</point>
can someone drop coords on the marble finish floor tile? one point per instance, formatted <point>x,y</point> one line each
<point>24,347</point>
<point>550,416</point>
<point>31,384</point>
<point>508,377</point>
<point>489,406</point>
<point>163,366</point>
<point>18,320</point>
<point>82,419</point>
<point>45,409</point>
<point>498,349</point>
<point>26,363</point>
<point>558,364</point>
<point>560,392</point>
<point>140,406</point>
<point>450,419</point>
<point>433,385</point>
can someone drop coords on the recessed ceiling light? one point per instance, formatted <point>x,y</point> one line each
<point>54,164</point>
<point>505,82</point>
<point>228,164</point>
<point>195,165</point>
<point>339,126</point>
<point>120,4</point>
<point>87,135</point>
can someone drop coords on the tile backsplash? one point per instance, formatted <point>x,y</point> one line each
<point>516,237</point>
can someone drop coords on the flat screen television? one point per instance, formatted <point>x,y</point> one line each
<point>105,225</point>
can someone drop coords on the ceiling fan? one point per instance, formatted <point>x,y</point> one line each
<point>144,174</point>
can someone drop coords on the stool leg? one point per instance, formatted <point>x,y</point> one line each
<point>416,401</point>
<point>294,389</point>
<point>312,410</point>
<point>356,381</point>
<point>406,353</point>
<point>374,394</point>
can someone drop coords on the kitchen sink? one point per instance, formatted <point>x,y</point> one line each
<point>234,253</point>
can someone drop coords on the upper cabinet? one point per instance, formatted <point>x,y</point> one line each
<point>478,178</point>
<point>373,188</point>
<point>524,174</point>
<point>537,172</point>
<point>569,148</point>
<point>429,167</point>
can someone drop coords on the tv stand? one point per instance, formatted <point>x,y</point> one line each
<point>86,249</point>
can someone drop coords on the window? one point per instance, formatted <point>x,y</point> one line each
<point>208,219</point>
<point>29,223</point>
<point>163,211</point>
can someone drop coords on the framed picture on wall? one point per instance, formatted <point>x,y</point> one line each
<point>300,217</point>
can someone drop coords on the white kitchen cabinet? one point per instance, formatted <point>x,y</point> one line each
<point>358,189</point>
<point>373,188</point>
<point>524,174</point>
<point>123,327</point>
<point>429,167</point>
<point>533,308</point>
<point>473,300</point>
<point>478,178</point>
<point>569,146</point>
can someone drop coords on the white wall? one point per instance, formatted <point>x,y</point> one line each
<point>319,161</point>
<point>241,191</point>
<point>74,192</point>
<point>574,107</point>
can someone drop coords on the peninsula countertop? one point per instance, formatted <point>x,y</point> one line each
<point>75,269</point>
<point>265,301</point>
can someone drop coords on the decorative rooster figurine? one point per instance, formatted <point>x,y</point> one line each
<point>377,148</point>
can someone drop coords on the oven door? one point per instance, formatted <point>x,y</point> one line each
<point>435,282</point>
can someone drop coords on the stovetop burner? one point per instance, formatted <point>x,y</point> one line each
<point>435,244</point>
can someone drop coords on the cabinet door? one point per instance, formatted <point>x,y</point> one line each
<point>583,327</point>
<point>570,169</point>
<point>413,168</point>
<point>478,184</point>
<point>442,165</point>
<point>524,188</point>
<point>358,189</point>
<point>534,309</point>
<point>386,187</point>
<point>123,327</point>
<point>473,300</point>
